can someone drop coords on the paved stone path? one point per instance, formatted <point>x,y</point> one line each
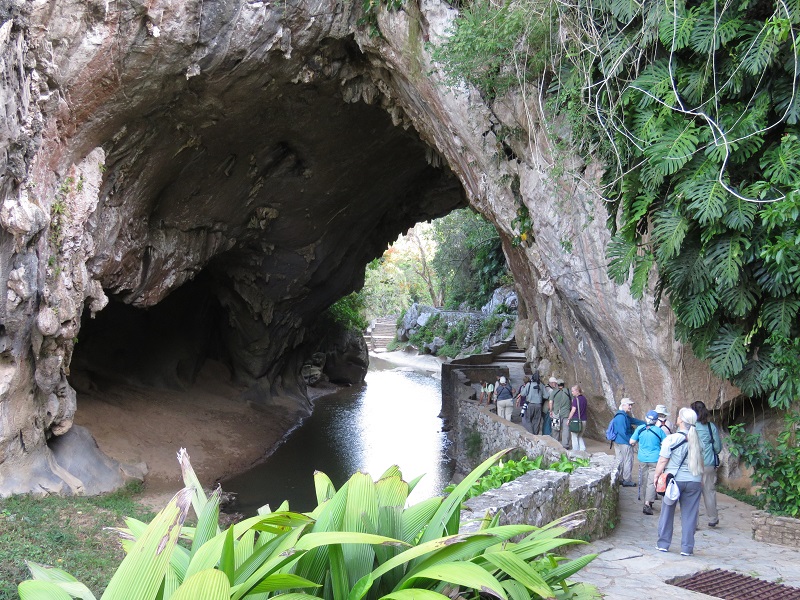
<point>630,567</point>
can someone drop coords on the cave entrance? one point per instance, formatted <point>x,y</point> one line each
<point>235,207</point>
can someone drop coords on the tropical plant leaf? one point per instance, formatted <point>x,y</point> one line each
<point>641,274</point>
<point>740,299</point>
<point>510,564</point>
<point>780,315</point>
<point>621,254</point>
<point>210,584</point>
<point>758,48</point>
<point>61,578</point>
<point>675,148</point>
<point>676,27</point>
<point>669,231</point>
<point>695,311</point>
<point>726,257</point>
<point>739,214</point>
<point>567,569</point>
<point>781,162</point>
<point>414,594</point>
<point>728,351</point>
<point>282,581</point>
<point>41,590</point>
<point>463,574</point>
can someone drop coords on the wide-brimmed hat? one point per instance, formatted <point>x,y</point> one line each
<point>662,410</point>
<point>553,380</point>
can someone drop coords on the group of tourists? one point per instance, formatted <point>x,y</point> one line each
<point>551,409</point>
<point>686,451</point>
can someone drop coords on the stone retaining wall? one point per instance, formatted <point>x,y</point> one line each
<point>537,497</point>
<point>776,530</point>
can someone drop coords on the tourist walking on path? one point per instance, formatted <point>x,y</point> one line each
<point>580,408</point>
<point>682,455</point>
<point>624,424</point>
<point>648,438</point>
<point>712,446</point>
<point>505,399</point>
<point>485,393</point>
<point>560,403</point>
<point>547,406</point>
<point>535,397</point>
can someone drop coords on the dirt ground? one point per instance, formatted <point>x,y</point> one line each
<point>222,434</point>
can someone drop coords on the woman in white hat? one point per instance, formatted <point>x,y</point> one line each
<point>505,399</point>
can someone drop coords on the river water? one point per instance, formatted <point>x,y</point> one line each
<point>392,419</point>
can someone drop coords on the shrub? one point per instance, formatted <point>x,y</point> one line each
<point>360,542</point>
<point>349,312</point>
<point>776,467</point>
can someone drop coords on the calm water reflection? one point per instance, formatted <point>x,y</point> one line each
<point>393,419</point>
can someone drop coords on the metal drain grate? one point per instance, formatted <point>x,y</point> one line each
<point>733,586</point>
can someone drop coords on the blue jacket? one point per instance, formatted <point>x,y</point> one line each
<point>649,439</point>
<point>623,427</point>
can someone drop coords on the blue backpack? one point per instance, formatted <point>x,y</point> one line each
<point>611,433</point>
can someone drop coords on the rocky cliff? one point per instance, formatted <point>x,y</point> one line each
<point>205,177</point>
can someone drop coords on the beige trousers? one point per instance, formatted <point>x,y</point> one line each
<point>710,493</point>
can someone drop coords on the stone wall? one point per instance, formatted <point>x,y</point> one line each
<point>776,530</point>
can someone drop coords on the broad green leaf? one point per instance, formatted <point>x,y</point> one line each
<point>453,501</point>
<point>61,578</point>
<point>282,581</point>
<point>141,573</point>
<point>327,538</point>
<point>205,585</point>
<point>227,560</point>
<point>361,508</point>
<point>207,522</point>
<point>323,486</point>
<point>415,595</point>
<point>519,570</point>
<point>566,570</point>
<point>675,148</point>
<point>463,574</point>
<point>728,352</point>
<point>416,517</point>
<point>41,590</point>
<point>725,257</point>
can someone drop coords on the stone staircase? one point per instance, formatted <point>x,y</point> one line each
<point>512,354</point>
<point>383,333</point>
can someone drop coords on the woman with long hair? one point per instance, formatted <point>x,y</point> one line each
<point>712,446</point>
<point>579,409</point>
<point>682,456</point>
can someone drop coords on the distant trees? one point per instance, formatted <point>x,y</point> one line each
<point>453,261</point>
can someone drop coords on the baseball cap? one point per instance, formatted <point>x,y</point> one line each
<point>560,382</point>
<point>651,416</point>
<point>626,401</point>
<point>502,380</point>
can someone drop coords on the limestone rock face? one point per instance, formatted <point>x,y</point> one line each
<point>228,168</point>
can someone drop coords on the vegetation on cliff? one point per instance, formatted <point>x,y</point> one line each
<point>692,106</point>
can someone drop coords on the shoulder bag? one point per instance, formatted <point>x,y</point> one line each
<point>576,425</point>
<point>716,456</point>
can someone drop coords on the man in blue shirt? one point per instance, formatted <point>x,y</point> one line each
<point>649,437</point>
<point>624,423</point>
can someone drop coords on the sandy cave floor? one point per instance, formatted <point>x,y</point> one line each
<point>223,435</point>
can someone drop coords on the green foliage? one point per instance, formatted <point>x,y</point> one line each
<point>742,496</point>
<point>469,258</point>
<point>503,472</point>
<point>472,442</point>
<point>349,312</point>
<point>360,542</point>
<point>64,531</point>
<point>497,46</point>
<point>776,467</point>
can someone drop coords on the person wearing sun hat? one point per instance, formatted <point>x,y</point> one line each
<point>505,399</point>
<point>624,422</point>
<point>663,419</point>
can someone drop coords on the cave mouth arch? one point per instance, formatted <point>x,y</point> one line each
<point>231,214</point>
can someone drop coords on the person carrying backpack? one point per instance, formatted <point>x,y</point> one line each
<point>522,400</point>
<point>560,405</point>
<point>712,446</point>
<point>505,399</point>
<point>648,437</point>
<point>619,432</point>
<point>535,396</point>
